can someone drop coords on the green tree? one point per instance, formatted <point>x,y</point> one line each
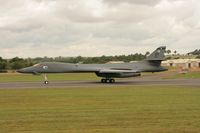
<point>147,53</point>
<point>3,64</point>
<point>17,63</point>
<point>175,52</point>
<point>168,52</point>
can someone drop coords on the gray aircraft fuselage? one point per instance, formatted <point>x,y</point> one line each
<point>58,67</point>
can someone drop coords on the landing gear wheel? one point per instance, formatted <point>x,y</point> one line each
<point>46,79</point>
<point>111,81</point>
<point>107,81</point>
<point>103,80</point>
<point>46,82</point>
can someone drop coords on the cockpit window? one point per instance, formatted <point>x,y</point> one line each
<point>42,66</point>
<point>36,65</point>
<point>45,67</point>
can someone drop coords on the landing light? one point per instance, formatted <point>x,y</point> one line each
<point>45,67</point>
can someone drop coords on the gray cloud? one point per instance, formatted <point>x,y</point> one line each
<point>97,27</point>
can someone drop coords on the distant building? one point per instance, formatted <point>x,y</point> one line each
<point>183,63</point>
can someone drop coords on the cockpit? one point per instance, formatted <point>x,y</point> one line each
<point>45,67</point>
<point>36,65</point>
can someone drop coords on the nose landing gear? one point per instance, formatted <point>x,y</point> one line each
<point>46,79</point>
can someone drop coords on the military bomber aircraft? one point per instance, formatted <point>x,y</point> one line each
<point>107,71</point>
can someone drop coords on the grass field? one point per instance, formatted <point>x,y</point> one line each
<point>189,75</point>
<point>15,77</point>
<point>137,109</point>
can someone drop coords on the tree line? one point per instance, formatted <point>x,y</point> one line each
<point>195,52</point>
<point>17,63</point>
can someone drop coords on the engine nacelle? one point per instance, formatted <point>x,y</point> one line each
<point>118,75</point>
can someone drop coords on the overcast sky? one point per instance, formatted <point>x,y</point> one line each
<point>37,28</point>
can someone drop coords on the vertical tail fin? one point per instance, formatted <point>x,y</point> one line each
<point>157,55</point>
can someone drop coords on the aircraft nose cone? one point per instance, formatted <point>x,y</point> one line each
<point>27,70</point>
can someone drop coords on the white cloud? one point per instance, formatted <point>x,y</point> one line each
<point>96,27</point>
<point>142,2</point>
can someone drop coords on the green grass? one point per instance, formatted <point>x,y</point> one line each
<point>14,77</point>
<point>189,75</point>
<point>138,109</point>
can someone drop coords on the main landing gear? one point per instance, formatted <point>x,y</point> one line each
<point>46,79</point>
<point>107,80</point>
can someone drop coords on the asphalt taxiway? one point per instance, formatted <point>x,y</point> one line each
<point>71,84</point>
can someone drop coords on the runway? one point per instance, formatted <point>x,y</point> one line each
<point>84,84</point>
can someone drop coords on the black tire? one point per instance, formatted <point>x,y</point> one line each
<point>46,82</point>
<point>107,81</point>
<point>103,80</point>
<point>112,81</point>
